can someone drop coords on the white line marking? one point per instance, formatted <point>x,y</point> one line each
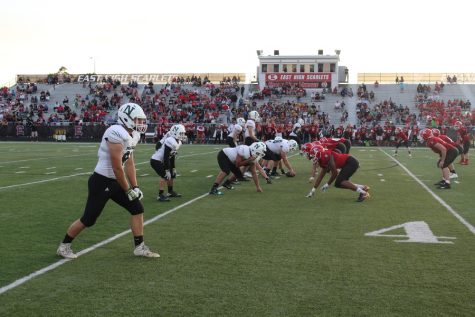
<point>24,167</point>
<point>382,179</point>
<point>50,168</point>
<point>92,248</point>
<point>49,173</point>
<point>79,174</point>
<point>440,200</point>
<point>137,169</point>
<point>193,171</point>
<point>20,172</point>
<point>78,168</point>
<point>209,176</point>
<point>43,181</point>
<point>144,175</point>
<point>380,175</point>
<point>456,182</point>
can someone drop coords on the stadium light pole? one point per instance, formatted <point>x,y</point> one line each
<point>93,63</point>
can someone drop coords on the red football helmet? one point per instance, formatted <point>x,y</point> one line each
<point>305,149</point>
<point>316,152</point>
<point>435,132</point>
<point>426,134</point>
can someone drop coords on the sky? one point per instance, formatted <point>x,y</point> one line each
<point>189,36</point>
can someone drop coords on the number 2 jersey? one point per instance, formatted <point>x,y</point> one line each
<point>115,134</point>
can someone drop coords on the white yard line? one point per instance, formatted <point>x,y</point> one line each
<point>440,200</point>
<point>43,181</point>
<point>92,248</point>
<point>73,175</point>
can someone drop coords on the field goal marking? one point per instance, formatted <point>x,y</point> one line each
<point>470,227</point>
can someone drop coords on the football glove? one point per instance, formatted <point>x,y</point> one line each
<point>324,188</point>
<point>168,175</point>
<point>134,193</point>
<point>311,193</point>
<point>138,191</point>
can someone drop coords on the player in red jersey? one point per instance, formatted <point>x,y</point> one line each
<point>330,161</point>
<point>401,139</point>
<point>464,140</point>
<point>445,138</point>
<point>447,154</point>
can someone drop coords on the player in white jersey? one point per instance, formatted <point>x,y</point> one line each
<point>231,159</point>
<point>295,134</point>
<point>233,136</point>
<point>163,160</point>
<point>115,178</point>
<point>277,150</point>
<point>250,128</point>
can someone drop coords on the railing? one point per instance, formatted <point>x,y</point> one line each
<point>415,78</point>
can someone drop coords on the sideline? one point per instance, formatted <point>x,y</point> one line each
<point>440,200</point>
<point>92,248</point>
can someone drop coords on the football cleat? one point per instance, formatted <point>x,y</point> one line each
<point>143,250</point>
<point>173,194</point>
<point>454,175</point>
<point>248,174</point>
<point>269,181</point>
<point>162,198</point>
<point>444,185</point>
<point>362,197</point>
<point>215,191</point>
<point>228,185</point>
<point>439,183</point>
<point>64,250</point>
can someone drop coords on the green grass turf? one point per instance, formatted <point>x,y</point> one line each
<point>245,253</point>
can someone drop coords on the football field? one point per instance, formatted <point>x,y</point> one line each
<point>407,251</point>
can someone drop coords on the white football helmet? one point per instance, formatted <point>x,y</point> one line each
<point>238,128</point>
<point>258,149</point>
<point>127,115</point>
<point>293,145</point>
<point>278,138</point>
<point>300,121</point>
<point>241,122</point>
<point>178,131</point>
<point>254,115</point>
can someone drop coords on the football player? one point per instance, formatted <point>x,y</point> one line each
<point>234,133</point>
<point>250,133</point>
<point>402,139</point>
<point>464,140</point>
<point>163,160</point>
<point>277,150</point>
<point>231,159</point>
<point>447,154</point>
<point>295,134</point>
<point>329,162</point>
<point>445,138</point>
<point>115,178</point>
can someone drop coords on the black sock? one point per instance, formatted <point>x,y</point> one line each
<point>138,240</point>
<point>215,185</point>
<point>274,169</point>
<point>170,188</point>
<point>453,172</point>
<point>68,239</point>
<point>160,192</point>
